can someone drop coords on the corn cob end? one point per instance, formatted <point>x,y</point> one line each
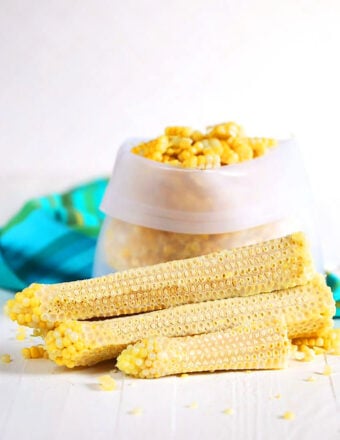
<point>25,308</point>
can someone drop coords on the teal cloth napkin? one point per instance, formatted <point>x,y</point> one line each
<point>52,239</point>
<point>333,280</point>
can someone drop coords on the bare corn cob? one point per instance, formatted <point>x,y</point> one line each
<point>258,345</point>
<point>276,264</point>
<point>307,310</point>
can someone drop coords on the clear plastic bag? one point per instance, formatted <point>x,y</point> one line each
<point>157,212</point>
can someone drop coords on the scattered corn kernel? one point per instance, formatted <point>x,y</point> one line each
<point>136,411</point>
<point>21,333</point>
<point>228,411</point>
<point>278,396</point>
<point>327,370</point>
<point>107,383</point>
<point>34,352</point>
<point>184,375</point>
<point>193,405</point>
<point>288,415</point>
<point>311,379</point>
<point>5,359</point>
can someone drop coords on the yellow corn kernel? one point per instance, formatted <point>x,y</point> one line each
<point>193,405</point>
<point>288,415</point>
<point>136,411</point>
<point>228,411</point>
<point>327,370</point>
<point>178,131</point>
<point>307,310</point>
<point>311,379</point>
<point>107,383</point>
<point>197,136</point>
<point>34,352</point>
<point>21,334</point>
<point>228,156</point>
<point>260,145</point>
<point>263,267</point>
<point>191,162</point>
<point>241,148</point>
<point>5,359</point>
<point>225,130</point>
<point>260,345</point>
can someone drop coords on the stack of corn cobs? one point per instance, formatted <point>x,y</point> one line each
<point>246,308</point>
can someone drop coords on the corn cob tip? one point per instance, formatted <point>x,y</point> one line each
<point>146,357</point>
<point>25,308</point>
<point>81,344</point>
<point>65,343</point>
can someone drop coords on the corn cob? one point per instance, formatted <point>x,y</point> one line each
<point>307,310</point>
<point>259,345</point>
<point>276,264</point>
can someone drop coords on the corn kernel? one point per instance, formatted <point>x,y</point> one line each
<point>327,370</point>
<point>5,359</point>
<point>288,415</point>
<point>136,411</point>
<point>107,383</point>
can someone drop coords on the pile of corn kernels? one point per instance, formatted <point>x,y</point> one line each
<point>222,144</point>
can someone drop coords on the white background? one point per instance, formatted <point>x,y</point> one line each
<point>78,77</point>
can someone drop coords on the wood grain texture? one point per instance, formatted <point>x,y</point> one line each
<point>39,400</point>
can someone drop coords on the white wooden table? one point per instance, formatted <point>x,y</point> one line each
<point>40,401</point>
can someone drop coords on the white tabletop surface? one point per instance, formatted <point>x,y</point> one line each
<point>40,401</point>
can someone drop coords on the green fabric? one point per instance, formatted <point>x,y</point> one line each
<point>52,239</point>
<point>333,280</point>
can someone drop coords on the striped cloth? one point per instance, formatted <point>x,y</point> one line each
<point>333,280</point>
<point>52,239</point>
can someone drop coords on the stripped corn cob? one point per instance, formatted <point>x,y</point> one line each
<point>307,310</point>
<point>276,264</point>
<point>260,345</point>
